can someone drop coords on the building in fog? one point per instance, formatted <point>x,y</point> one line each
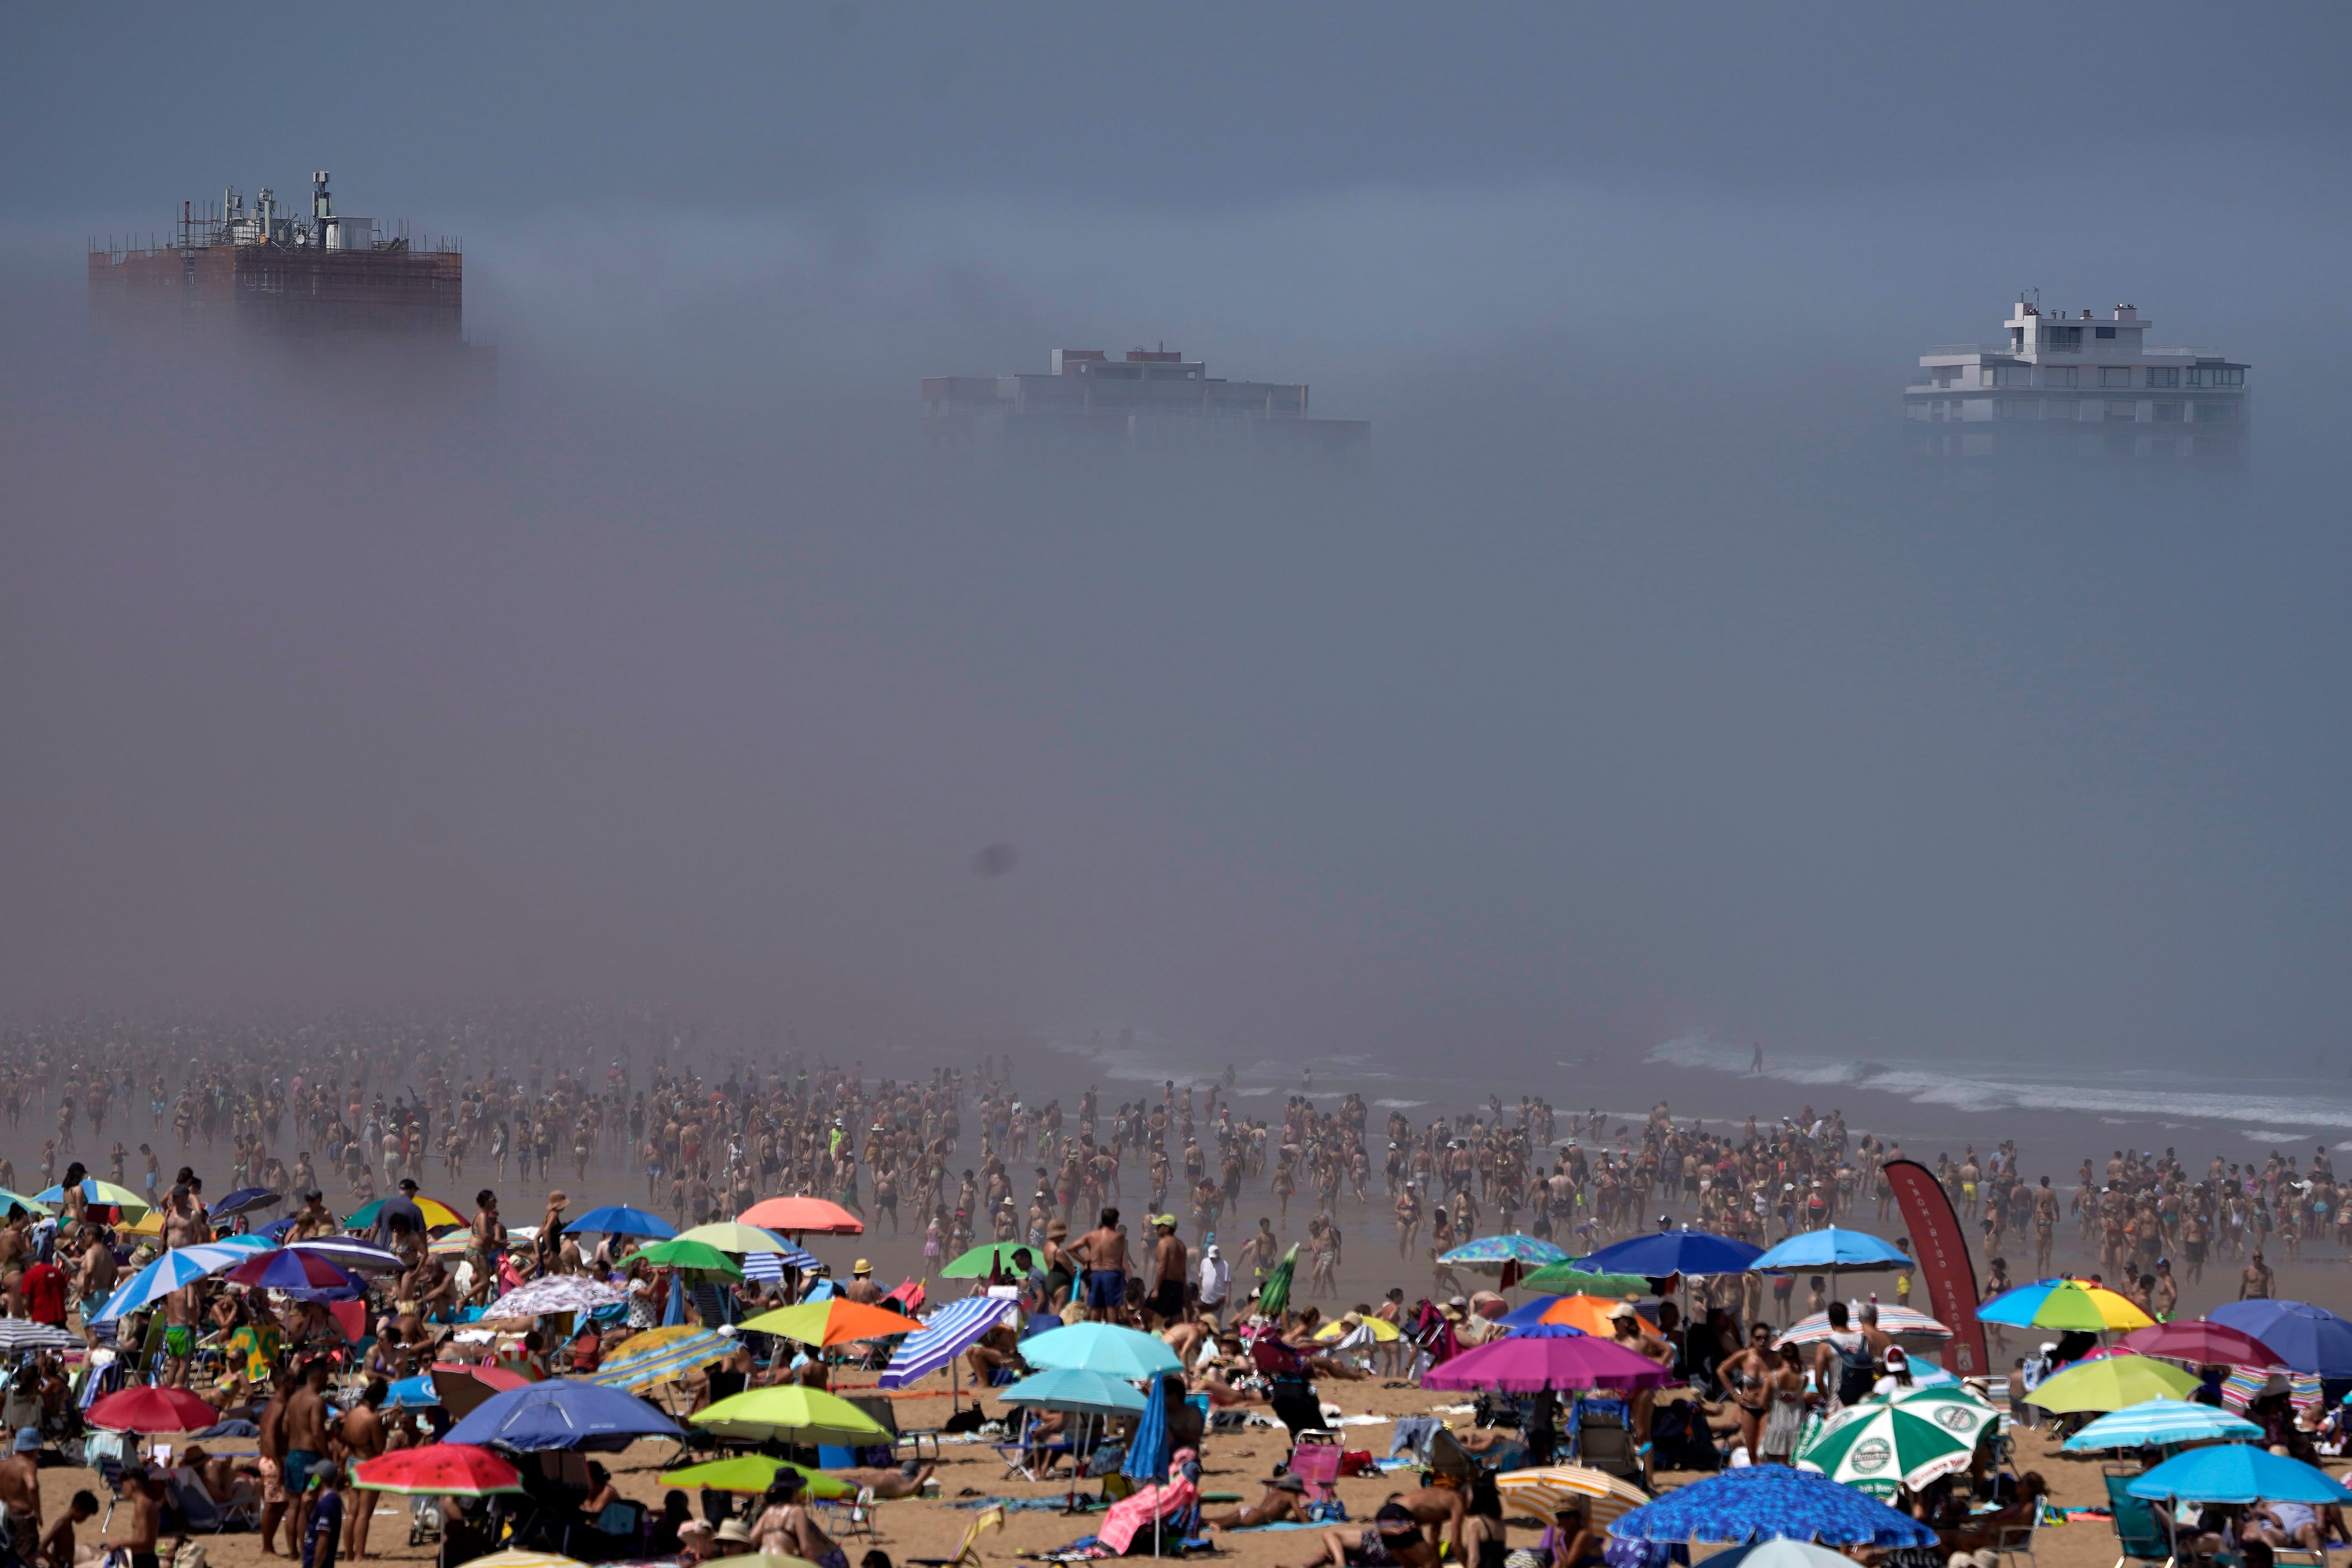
<point>249,272</point>
<point>1152,399</point>
<point>2078,386</point>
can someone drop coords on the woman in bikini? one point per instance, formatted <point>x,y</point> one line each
<point>785,1527</point>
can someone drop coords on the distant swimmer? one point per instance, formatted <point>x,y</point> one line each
<point>1756,1063</point>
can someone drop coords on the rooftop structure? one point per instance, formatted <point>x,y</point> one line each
<point>2078,386</point>
<point>1152,397</point>
<point>254,267</point>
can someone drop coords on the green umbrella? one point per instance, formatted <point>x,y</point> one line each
<point>1275,1294</point>
<point>982,1261</point>
<point>1880,1445</point>
<point>2111,1383</point>
<point>752,1473</point>
<point>1561,1280</point>
<point>678,1254</point>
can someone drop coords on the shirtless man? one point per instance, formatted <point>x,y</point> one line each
<point>1432,1509</point>
<point>2256,1282</point>
<point>20,1494</point>
<point>362,1434</point>
<point>861,1288</point>
<point>179,1335</point>
<point>1103,1252</point>
<point>145,1498</point>
<point>1284,1501</point>
<point>57,1546</point>
<point>305,1431</point>
<point>1170,1257</point>
<point>272,1444</point>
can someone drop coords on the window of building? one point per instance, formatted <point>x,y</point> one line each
<point>2060,408</point>
<point>2013,376</point>
<point>2163,446</point>
<point>2021,408</point>
<point>2167,414</point>
<point>2216,413</point>
<point>2164,375</point>
<point>2103,331</point>
<point>2217,375</point>
<point>2122,411</point>
<point>2115,375</point>
<point>2058,376</point>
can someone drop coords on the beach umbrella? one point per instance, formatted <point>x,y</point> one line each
<point>1148,1448</point>
<point>439,1469</point>
<point>1512,1257</point>
<point>348,1252</point>
<point>1880,1445</point>
<point>175,1269</point>
<point>554,1293</point>
<point>2200,1343</point>
<point>133,1207</point>
<point>1589,1313</point>
<point>791,1414</point>
<point>2307,1338</point>
<point>1782,1553</point>
<point>247,1241</point>
<point>1073,1389</point>
<point>802,1215</point>
<point>436,1214</point>
<point>514,1558</point>
<point>304,1274</point>
<point>1568,1280</point>
<point>1105,1348</point>
<point>1761,1502</point>
<point>752,1474</point>
<point>151,1409</point>
<point>730,1236</point>
<point>20,1334</point>
<point>1381,1329</point>
<point>12,1201</point>
<point>416,1393</point>
<point>1833,1248</point>
<point>769,1560</point>
<point>2063,1304</point>
<point>2113,1382</point>
<point>1550,1356</point>
<point>2238,1472</point>
<point>561,1413</point>
<point>1666,1253</point>
<point>946,1334</point>
<point>662,1355</point>
<point>1274,1294</point>
<point>835,1321</point>
<point>2158,1424</point>
<point>1545,1490</point>
<point>463,1389</point>
<point>984,1259</point>
<point>620,1219</point>
<point>678,1253</point>
<point>1903,1322</point>
<point>246,1199</point>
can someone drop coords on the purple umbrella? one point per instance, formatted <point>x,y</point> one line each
<point>304,1274</point>
<point>1552,1355</point>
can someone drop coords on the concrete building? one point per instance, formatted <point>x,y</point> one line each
<point>2078,386</point>
<point>1152,399</point>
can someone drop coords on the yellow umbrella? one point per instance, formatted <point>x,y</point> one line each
<point>152,1225</point>
<point>2111,1383</point>
<point>1383,1329</point>
<point>1543,1492</point>
<point>794,1414</point>
<point>729,1236</point>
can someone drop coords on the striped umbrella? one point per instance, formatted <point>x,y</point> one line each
<point>358,1257</point>
<point>945,1334</point>
<point>769,1267</point>
<point>134,1207</point>
<point>175,1269</point>
<point>1900,1321</point>
<point>639,1365</point>
<point>22,1334</point>
<point>1546,1490</point>
<point>2156,1423</point>
<point>1512,1257</point>
<point>732,1236</point>
<point>1880,1445</point>
<point>14,1200</point>
<point>553,1293</point>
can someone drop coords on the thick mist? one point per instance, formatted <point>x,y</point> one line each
<point>1633,687</point>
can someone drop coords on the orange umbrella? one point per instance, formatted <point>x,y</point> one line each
<point>1589,1313</point>
<point>835,1321</point>
<point>802,1215</point>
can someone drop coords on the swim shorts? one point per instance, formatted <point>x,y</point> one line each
<point>1169,1299</point>
<point>1106,1288</point>
<point>298,1469</point>
<point>273,1480</point>
<point>179,1343</point>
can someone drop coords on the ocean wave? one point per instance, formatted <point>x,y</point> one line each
<point>2131,1092</point>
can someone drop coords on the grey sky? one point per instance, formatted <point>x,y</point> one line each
<point>1632,689</point>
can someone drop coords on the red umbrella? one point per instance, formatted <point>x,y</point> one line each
<point>802,1215</point>
<point>450,1470</point>
<point>499,1379</point>
<point>2201,1343</point>
<point>153,1410</point>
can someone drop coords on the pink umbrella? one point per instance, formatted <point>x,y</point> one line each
<point>2202,1343</point>
<point>1550,1356</point>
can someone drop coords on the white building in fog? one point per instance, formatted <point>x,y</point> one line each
<point>2078,386</point>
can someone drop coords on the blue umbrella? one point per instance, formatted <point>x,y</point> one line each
<point>2153,1423</point>
<point>180,1267</point>
<point>414,1393</point>
<point>562,1413</point>
<point>246,1198</point>
<point>2238,1472</point>
<point>279,1230</point>
<point>1147,1450</point>
<point>1683,1251</point>
<point>1762,1501</point>
<point>2311,1339</point>
<point>1071,1388</point>
<point>620,1219</point>
<point>1833,1248</point>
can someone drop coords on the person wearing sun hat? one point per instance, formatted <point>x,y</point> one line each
<point>861,1288</point>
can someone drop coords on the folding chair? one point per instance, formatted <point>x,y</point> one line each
<point>2016,1541</point>
<point>1314,1459</point>
<point>967,1555</point>
<point>2138,1538</point>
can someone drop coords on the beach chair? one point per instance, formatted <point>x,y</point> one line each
<point>966,1553</point>
<point>2016,1541</point>
<point>2139,1539</point>
<point>199,1514</point>
<point>884,1412</point>
<point>1033,1461</point>
<point>1603,1443</point>
<point>1314,1459</point>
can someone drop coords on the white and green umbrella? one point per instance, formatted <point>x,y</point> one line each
<point>1880,1444</point>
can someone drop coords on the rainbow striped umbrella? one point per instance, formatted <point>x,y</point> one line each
<point>2061,1304</point>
